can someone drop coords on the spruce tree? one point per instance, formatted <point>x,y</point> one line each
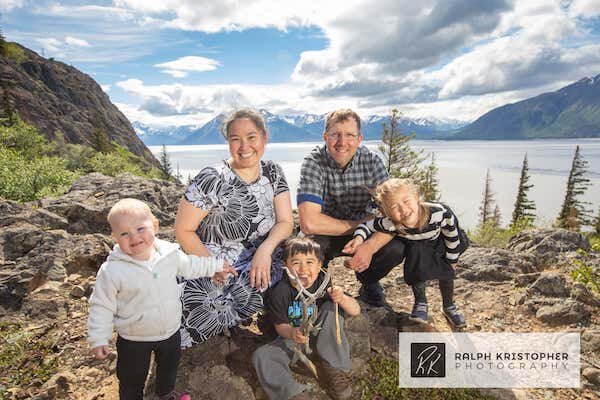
<point>100,141</point>
<point>430,185</point>
<point>524,211</point>
<point>400,159</point>
<point>3,46</point>
<point>165,163</point>
<point>573,212</point>
<point>597,223</point>
<point>496,219</point>
<point>486,210</point>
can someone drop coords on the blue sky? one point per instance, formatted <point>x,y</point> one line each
<point>180,62</point>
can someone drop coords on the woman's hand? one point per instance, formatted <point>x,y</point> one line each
<point>260,272</point>
<point>352,245</point>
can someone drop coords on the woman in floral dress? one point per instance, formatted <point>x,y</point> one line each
<point>239,211</point>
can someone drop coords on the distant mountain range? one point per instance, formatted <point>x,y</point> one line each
<point>289,128</point>
<point>570,112</point>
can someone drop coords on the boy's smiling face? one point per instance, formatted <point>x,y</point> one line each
<point>306,266</point>
<point>134,232</point>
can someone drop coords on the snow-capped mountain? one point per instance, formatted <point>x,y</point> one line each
<point>291,128</point>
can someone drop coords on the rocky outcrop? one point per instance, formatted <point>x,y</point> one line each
<point>55,97</point>
<point>51,249</point>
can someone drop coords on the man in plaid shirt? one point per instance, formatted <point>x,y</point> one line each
<point>333,200</point>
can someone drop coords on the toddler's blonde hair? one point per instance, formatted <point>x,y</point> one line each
<point>392,186</point>
<point>128,206</point>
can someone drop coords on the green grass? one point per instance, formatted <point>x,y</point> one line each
<point>381,383</point>
<point>24,358</point>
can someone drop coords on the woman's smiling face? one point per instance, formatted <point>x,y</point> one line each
<point>246,143</point>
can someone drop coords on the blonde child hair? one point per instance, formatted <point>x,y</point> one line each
<point>128,206</point>
<point>381,195</point>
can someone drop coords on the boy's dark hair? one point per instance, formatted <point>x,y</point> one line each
<point>302,245</point>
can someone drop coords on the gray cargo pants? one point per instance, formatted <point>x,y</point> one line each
<point>272,360</point>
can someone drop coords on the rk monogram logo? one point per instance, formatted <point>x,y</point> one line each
<point>428,360</point>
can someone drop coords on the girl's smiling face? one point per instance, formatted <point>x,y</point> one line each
<point>402,207</point>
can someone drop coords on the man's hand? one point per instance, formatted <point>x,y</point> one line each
<point>361,259</point>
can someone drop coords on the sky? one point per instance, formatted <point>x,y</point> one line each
<point>181,62</point>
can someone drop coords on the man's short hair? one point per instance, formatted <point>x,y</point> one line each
<point>341,115</point>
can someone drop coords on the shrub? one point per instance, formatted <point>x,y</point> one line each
<point>381,382</point>
<point>14,52</point>
<point>24,139</point>
<point>24,358</point>
<point>22,179</point>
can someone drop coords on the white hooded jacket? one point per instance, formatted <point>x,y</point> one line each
<point>140,299</point>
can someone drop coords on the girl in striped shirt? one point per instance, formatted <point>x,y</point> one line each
<point>433,245</point>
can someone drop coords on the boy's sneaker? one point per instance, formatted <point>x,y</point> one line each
<point>454,317</point>
<point>372,293</point>
<point>419,311</point>
<point>337,381</point>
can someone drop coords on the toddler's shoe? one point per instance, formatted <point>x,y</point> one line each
<point>175,396</point>
<point>454,317</point>
<point>419,311</point>
<point>336,380</point>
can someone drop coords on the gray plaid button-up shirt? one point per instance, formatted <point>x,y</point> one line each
<point>342,193</point>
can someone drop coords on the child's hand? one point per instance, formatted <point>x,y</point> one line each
<point>101,352</point>
<point>336,293</point>
<point>221,277</point>
<point>352,245</point>
<point>298,337</point>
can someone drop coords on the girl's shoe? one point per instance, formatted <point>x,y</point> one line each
<point>454,317</point>
<point>419,311</point>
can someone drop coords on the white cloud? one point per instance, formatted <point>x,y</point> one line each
<point>50,44</point>
<point>180,67</point>
<point>72,41</point>
<point>8,5</point>
<point>585,8</point>
<point>106,88</point>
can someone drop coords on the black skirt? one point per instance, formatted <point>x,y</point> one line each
<point>426,260</point>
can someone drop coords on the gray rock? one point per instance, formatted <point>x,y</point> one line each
<point>583,294</point>
<point>551,284</point>
<point>77,292</point>
<point>357,332</point>
<point>526,279</point>
<point>592,375</point>
<point>546,244</point>
<point>217,383</point>
<point>495,272</point>
<point>563,312</point>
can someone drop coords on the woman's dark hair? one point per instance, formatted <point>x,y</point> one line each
<point>245,113</point>
<point>302,245</point>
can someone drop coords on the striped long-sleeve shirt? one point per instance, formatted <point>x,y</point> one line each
<point>441,221</point>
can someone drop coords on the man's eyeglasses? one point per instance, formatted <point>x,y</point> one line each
<point>349,137</point>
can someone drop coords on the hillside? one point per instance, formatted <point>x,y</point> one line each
<point>55,97</point>
<point>570,112</point>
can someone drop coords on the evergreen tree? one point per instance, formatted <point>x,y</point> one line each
<point>597,223</point>
<point>573,212</point>
<point>486,210</point>
<point>496,219</point>
<point>524,211</point>
<point>100,141</point>
<point>3,47</point>
<point>165,163</point>
<point>400,159</point>
<point>430,186</point>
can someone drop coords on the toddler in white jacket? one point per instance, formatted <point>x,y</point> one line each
<point>136,292</point>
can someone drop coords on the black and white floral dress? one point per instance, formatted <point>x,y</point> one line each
<point>240,217</point>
